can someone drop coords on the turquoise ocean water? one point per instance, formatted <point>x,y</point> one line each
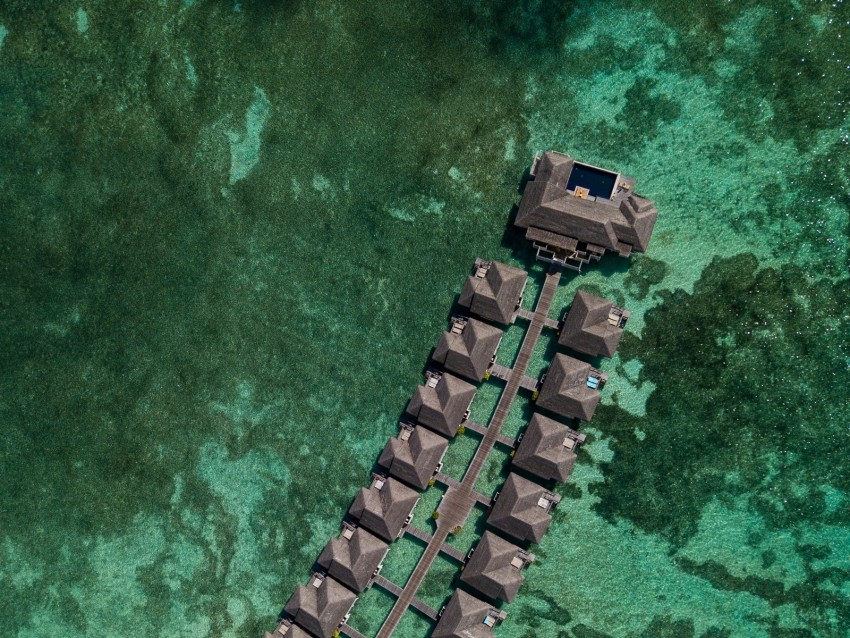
<point>230,234</point>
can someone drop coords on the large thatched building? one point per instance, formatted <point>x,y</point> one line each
<point>593,325</point>
<point>522,509</point>
<point>321,606</point>
<point>566,391</point>
<point>494,291</point>
<point>414,455</point>
<point>466,616</point>
<point>495,568</point>
<point>468,348</point>
<point>384,507</point>
<point>353,557</point>
<point>574,212</point>
<point>548,449</point>
<point>441,403</point>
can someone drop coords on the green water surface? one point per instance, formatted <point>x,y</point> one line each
<point>231,233</point>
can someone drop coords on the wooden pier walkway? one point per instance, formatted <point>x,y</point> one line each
<point>525,314</point>
<point>425,537</point>
<point>480,429</point>
<point>547,323</point>
<point>388,585</point>
<point>499,371</point>
<point>447,480</point>
<point>351,632</point>
<point>395,590</point>
<point>458,501</point>
<point>528,383</point>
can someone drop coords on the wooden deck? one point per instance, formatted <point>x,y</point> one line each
<point>547,323</point>
<point>525,314</point>
<point>425,537</point>
<point>459,500</point>
<point>351,632</point>
<point>499,371</point>
<point>395,590</point>
<point>528,383</point>
<point>480,429</point>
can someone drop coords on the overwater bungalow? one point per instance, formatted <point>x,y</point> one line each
<point>548,449</point>
<point>321,606</point>
<point>495,568</point>
<point>442,402</point>
<point>593,325</point>
<point>287,629</point>
<point>466,616</point>
<point>385,507</point>
<point>522,509</point>
<point>468,348</point>
<point>494,291</point>
<point>571,388</point>
<point>415,455</point>
<point>354,557</point>
<point>575,212</point>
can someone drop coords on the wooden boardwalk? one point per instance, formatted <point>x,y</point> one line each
<point>529,383</point>
<point>351,632</point>
<point>547,323</point>
<point>425,537</point>
<point>480,429</point>
<point>395,590</point>
<point>459,500</point>
<point>499,371</point>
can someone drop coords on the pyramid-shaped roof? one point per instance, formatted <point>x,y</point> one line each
<point>465,616</point>
<point>586,328</point>
<point>383,507</point>
<point>621,223</point>
<point>565,391</point>
<point>495,568</point>
<point>547,450</point>
<point>320,606</point>
<point>414,455</point>
<point>442,407</point>
<point>494,292</point>
<point>353,557</point>
<point>522,509</point>
<point>468,353</point>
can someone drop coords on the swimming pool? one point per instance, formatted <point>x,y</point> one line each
<point>598,181</point>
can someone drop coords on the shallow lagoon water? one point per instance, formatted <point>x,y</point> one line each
<point>231,234</point>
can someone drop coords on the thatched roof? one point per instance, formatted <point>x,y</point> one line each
<point>495,568</point>
<point>546,450</point>
<point>353,557</point>
<point>465,616</point>
<point>495,295</point>
<point>565,391</point>
<point>442,408</point>
<point>620,224</point>
<point>414,455</point>
<point>522,509</point>
<point>586,328</point>
<point>320,606</point>
<point>469,353</point>
<point>383,507</point>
